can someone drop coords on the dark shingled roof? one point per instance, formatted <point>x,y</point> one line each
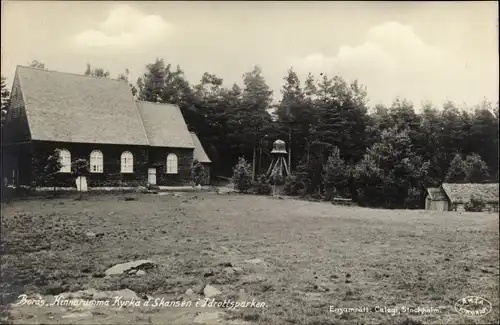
<point>436,194</point>
<point>76,108</point>
<point>165,125</point>
<point>461,193</point>
<point>199,152</point>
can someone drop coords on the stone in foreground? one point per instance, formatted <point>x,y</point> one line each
<point>124,267</point>
<point>209,318</point>
<point>255,261</point>
<point>210,291</point>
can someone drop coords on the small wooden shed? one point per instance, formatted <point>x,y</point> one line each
<point>436,200</point>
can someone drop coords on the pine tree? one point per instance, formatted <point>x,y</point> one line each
<point>329,125</point>
<point>151,85</point>
<point>251,118</point>
<point>310,89</point>
<point>342,118</point>
<point>430,147</point>
<point>483,136</point>
<point>292,112</point>
<point>256,93</point>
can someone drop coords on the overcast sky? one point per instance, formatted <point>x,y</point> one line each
<point>417,50</point>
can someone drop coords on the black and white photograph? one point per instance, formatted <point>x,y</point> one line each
<point>249,162</point>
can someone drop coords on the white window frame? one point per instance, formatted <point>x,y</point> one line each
<point>96,161</point>
<point>127,162</point>
<point>172,164</point>
<point>65,160</point>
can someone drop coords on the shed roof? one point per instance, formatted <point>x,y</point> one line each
<point>462,193</point>
<point>199,152</point>
<point>436,194</point>
<point>69,107</point>
<point>165,125</point>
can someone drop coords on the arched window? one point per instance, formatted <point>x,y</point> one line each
<point>96,162</point>
<point>65,159</point>
<point>171,163</point>
<point>127,162</point>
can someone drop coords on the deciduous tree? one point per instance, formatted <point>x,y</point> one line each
<point>52,168</point>
<point>37,64</point>
<point>96,72</point>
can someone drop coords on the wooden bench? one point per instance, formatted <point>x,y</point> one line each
<point>341,201</point>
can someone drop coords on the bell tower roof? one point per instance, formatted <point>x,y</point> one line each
<point>279,147</point>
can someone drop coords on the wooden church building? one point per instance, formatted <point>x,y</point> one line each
<point>126,142</point>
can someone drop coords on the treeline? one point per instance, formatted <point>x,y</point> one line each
<point>382,155</point>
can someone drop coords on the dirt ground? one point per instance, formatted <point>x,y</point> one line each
<point>301,260</point>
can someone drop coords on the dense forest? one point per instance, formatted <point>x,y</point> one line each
<point>381,155</point>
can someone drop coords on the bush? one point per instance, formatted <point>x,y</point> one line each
<point>412,200</point>
<point>336,174</point>
<point>474,205</point>
<point>329,193</point>
<point>317,196</point>
<point>476,170</point>
<point>263,185</point>
<point>81,167</point>
<point>242,176</point>
<point>197,172</point>
<point>294,185</point>
<point>51,169</point>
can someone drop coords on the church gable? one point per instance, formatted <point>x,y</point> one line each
<point>16,129</point>
<point>199,152</point>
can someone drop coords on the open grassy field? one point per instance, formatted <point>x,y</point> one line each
<point>299,258</point>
